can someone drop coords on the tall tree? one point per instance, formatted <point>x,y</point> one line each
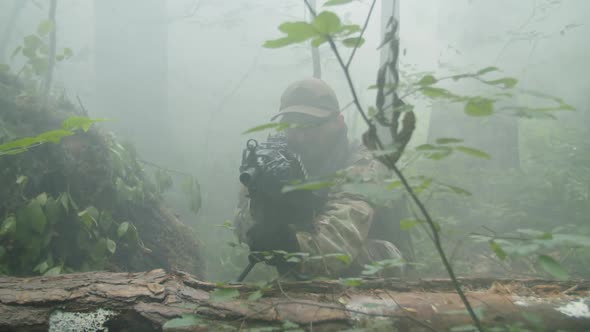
<point>131,71</point>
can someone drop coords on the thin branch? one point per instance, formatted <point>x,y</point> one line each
<point>358,42</point>
<point>398,173</point>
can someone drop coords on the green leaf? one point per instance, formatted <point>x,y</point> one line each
<point>42,199</point>
<point>487,70</point>
<point>111,246</point>
<point>21,179</point>
<point>53,211</point>
<point>89,217</point>
<point>351,282</point>
<point>353,42</point>
<point>41,268</point>
<point>473,152</point>
<point>44,27</point>
<point>497,249</point>
<point>432,92</point>
<point>456,190</point>
<point>448,140</point>
<point>123,228</point>
<point>224,294</point>
<point>344,258</point>
<point>34,216</point>
<point>186,320</point>
<point>276,125</point>
<point>327,23</point>
<point>297,32</point>
<point>54,136</point>
<point>32,42</point>
<point>255,295</point>
<point>53,271</point>
<point>68,52</point>
<point>407,224</point>
<point>337,2</point>
<point>8,226</point>
<point>319,40</point>
<point>4,67</point>
<point>506,82</point>
<point>314,185</point>
<point>552,267</point>
<point>79,122</point>
<point>478,106</point>
<point>427,80</point>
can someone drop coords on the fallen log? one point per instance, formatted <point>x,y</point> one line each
<point>159,300</point>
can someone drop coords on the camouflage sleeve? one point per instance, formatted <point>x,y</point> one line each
<point>342,227</point>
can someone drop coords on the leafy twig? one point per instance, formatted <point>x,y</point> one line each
<point>398,173</point>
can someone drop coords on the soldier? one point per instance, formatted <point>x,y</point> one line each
<point>340,221</point>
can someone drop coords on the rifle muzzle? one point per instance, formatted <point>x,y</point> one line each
<point>248,176</point>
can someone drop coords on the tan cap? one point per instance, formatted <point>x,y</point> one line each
<point>310,96</point>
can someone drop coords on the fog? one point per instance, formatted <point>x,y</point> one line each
<point>183,79</point>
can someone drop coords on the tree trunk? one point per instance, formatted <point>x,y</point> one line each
<point>147,301</point>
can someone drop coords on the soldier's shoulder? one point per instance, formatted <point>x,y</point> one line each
<point>361,160</point>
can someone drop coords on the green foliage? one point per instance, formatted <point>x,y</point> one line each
<point>34,237</point>
<point>54,136</point>
<point>551,266</point>
<point>325,24</point>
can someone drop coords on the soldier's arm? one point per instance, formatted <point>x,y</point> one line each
<point>342,229</point>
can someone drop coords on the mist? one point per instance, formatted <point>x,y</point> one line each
<point>182,80</point>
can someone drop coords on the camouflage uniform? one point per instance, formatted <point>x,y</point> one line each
<point>348,223</point>
<point>343,226</point>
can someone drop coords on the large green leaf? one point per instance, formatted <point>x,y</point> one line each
<point>327,23</point>
<point>53,211</point>
<point>478,106</point>
<point>297,32</point>
<point>552,267</point>
<point>89,217</point>
<point>123,229</point>
<point>33,216</point>
<point>79,122</point>
<point>53,271</point>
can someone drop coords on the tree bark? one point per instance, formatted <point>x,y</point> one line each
<point>146,301</point>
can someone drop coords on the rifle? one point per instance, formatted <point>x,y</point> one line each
<point>266,168</point>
